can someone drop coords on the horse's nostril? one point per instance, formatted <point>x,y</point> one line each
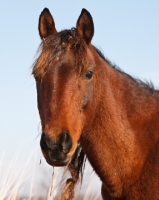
<point>43,141</point>
<point>65,141</point>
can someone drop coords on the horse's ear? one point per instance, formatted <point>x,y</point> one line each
<point>46,24</point>
<point>85,26</point>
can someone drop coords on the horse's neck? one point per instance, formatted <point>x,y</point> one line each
<point>127,120</point>
<point>128,104</point>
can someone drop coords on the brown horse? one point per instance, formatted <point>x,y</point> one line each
<point>84,99</point>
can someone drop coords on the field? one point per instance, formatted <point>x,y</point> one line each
<point>34,180</point>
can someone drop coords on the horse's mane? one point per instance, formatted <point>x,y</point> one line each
<point>55,45</point>
<point>148,85</point>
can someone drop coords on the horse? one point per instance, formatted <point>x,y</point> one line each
<point>88,106</point>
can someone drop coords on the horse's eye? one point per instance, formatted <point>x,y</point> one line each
<point>89,74</point>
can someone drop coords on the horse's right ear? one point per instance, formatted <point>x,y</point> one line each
<point>46,24</point>
<point>85,26</point>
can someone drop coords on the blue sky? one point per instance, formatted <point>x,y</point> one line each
<point>126,31</point>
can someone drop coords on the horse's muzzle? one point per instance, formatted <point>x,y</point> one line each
<point>55,152</point>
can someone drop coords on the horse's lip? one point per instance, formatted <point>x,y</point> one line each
<point>56,163</point>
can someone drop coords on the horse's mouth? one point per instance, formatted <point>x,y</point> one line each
<point>57,162</point>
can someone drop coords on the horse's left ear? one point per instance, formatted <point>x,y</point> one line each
<point>46,24</point>
<point>85,26</point>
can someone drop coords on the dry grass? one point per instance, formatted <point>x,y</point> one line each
<point>23,181</point>
<point>11,178</point>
